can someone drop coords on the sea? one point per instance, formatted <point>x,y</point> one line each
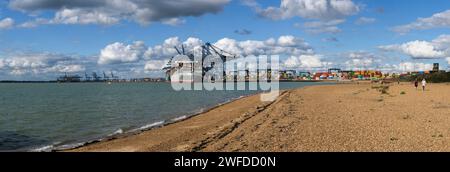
<point>59,116</point>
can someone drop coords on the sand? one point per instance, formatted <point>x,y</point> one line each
<point>337,118</point>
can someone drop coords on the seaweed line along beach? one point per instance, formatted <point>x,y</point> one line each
<point>344,117</point>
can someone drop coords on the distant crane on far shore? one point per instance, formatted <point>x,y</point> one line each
<point>94,77</point>
<point>105,77</point>
<point>87,77</point>
<point>113,76</point>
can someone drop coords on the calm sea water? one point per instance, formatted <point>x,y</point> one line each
<point>57,116</point>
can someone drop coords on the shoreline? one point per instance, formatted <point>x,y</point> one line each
<point>123,134</point>
<point>339,117</point>
<point>183,118</point>
<point>165,124</point>
<point>152,126</point>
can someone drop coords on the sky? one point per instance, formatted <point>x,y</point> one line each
<point>41,39</point>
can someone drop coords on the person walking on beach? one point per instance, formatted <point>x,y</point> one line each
<point>416,83</point>
<point>424,83</point>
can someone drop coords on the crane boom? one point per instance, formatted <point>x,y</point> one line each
<point>178,51</point>
<point>207,49</point>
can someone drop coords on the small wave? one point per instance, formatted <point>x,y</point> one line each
<point>201,110</point>
<point>146,127</point>
<point>179,118</point>
<point>47,148</point>
<point>117,132</point>
<point>71,146</point>
<point>56,147</point>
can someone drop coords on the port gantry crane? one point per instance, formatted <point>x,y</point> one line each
<point>105,77</point>
<point>208,50</point>
<point>87,77</point>
<point>114,77</point>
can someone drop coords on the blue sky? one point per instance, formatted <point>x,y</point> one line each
<point>374,32</point>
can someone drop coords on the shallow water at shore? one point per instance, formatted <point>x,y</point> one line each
<point>50,116</point>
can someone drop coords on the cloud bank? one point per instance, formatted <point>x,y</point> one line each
<point>40,63</point>
<point>418,49</point>
<point>325,14</point>
<point>108,12</point>
<point>438,20</point>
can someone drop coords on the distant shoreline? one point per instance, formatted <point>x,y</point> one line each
<point>28,81</point>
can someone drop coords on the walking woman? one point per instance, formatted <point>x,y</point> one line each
<point>416,83</point>
<point>424,83</point>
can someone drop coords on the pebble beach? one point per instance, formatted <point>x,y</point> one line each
<point>352,117</point>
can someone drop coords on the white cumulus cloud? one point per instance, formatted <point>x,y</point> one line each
<point>40,63</point>
<point>153,65</point>
<point>153,58</point>
<point>309,9</point>
<point>357,60</point>
<point>287,44</point>
<point>122,53</point>
<point>438,20</point>
<point>80,16</point>
<point>167,50</point>
<point>417,49</point>
<point>305,61</point>
<point>359,63</point>
<point>6,23</point>
<point>325,14</point>
<point>411,66</point>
